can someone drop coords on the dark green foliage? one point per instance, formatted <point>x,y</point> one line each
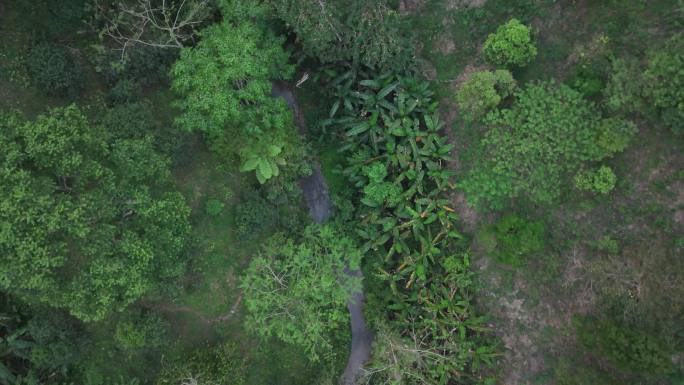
<point>664,79</point>
<point>54,71</point>
<point>137,121</point>
<point>91,226</point>
<point>627,349</point>
<point>623,92</point>
<point>569,371</point>
<point>124,91</point>
<point>58,340</point>
<point>653,89</point>
<point>368,33</point>
<point>529,149</point>
<point>37,345</point>
<point>587,80</point>
<point>517,239</point>
<point>484,91</point>
<point>218,365</point>
<point>510,46</point>
<point>45,20</point>
<point>141,64</point>
<point>252,216</point>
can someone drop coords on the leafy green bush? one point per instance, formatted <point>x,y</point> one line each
<point>517,238</point>
<point>213,207</point>
<point>614,135</point>
<point>484,91</point>
<point>124,91</point>
<point>137,121</point>
<point>53,70</point>
<point>608,245</point>
<point>600,181</point>
<point>664,79</point>
<point>141,330</point>
<point>587,80</point>
<point>511,45</point>
<point>628,349</point>
<point>219,365</point>
<point>142,64</point>
<point>624,89</point>
<point>252,216</point>
<point>530,149</point>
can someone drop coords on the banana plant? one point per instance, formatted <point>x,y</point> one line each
<point>263,160</point>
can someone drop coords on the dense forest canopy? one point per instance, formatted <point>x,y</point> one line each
<point>207,192</point>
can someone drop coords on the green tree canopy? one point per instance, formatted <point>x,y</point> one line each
<point>532,148</point>
<point>297,291</point>
<point>87,225</point>
<point>511,45</point>
<point>224,84</point>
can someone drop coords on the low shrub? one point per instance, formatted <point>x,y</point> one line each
<point>607,245</point>
<point>142,64</point>
<point>223,364</point>
<point>511,45</point>
<point>600,181</point>
<point>124,91</point>
<point>614,135</point>
<point>628,349</point>
<point>664,79</point>
<point>517,238</point>
<point>141,331</point>
<point>53,70</point>
<point>484,91</point>
<point>213,207</point>
<point>586,80</point>
<point>253,216</point>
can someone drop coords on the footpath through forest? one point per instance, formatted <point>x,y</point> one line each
<point>317,198</point>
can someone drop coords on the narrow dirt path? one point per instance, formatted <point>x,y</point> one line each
<point>170,308</point>
<point>317,199</point>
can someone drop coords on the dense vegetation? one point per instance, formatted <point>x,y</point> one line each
<point>506,183</point>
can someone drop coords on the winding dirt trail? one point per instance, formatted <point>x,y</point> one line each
<point>317,199</point>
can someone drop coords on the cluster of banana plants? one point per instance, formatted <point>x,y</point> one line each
<point>397,163</point>
<point>393,121</point>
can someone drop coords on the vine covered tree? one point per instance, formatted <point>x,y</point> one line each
<point>87,225</point>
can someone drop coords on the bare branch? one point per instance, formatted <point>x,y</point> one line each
<point>168,25</point>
